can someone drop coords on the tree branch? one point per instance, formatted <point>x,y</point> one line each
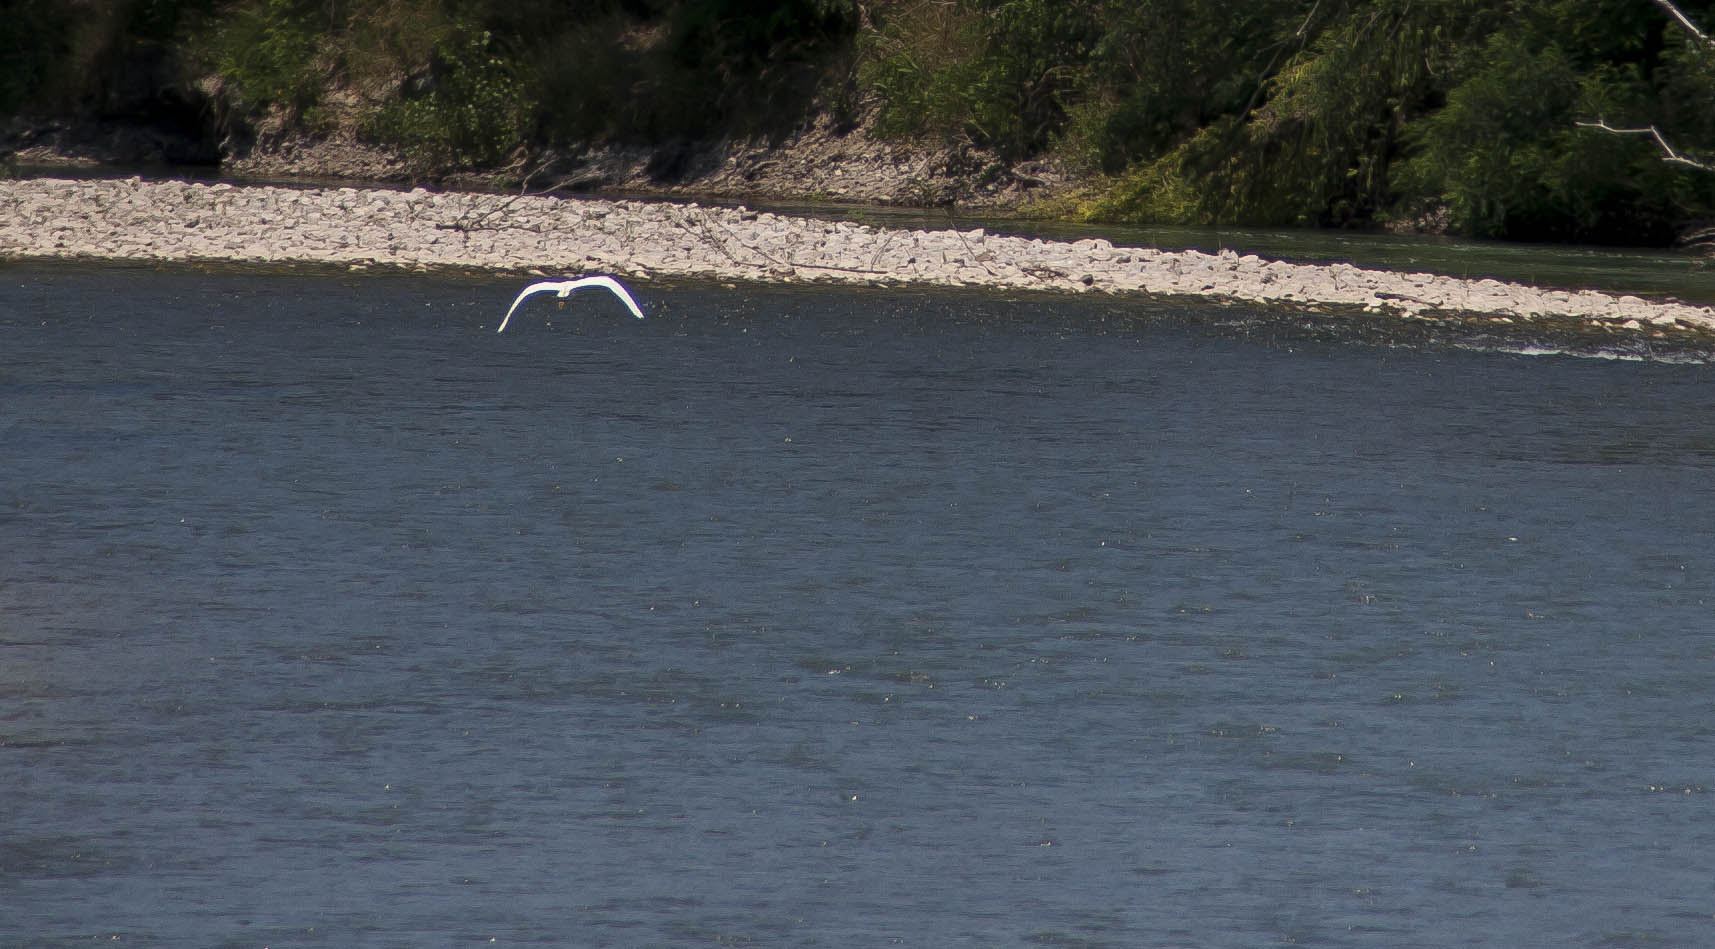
<point>1668,152</point>
<point>1685,21</point>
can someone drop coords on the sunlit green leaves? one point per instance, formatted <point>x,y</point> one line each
<point>472,112</point>
<point>1455,111</point>
<point>1322,112</point>
<point>269,52</point>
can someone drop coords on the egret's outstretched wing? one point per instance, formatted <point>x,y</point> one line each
<point>539,287</point>
<point>615,286</point>
<point>564,288</point>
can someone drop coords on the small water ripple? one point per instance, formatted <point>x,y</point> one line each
<point>845,618</point>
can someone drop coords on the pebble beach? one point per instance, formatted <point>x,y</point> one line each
<point>177,221</point>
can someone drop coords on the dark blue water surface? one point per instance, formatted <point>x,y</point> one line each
<point>330,617</point>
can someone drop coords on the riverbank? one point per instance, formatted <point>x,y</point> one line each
<point>139,220</point>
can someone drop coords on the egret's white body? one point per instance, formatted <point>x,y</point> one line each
<point>564,288</point>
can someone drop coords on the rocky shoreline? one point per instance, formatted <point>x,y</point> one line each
<point>145,220</point>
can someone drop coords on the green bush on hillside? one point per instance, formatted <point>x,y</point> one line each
<point>1246,112</point>
<point>273,54</point>
<point>1504,153</point>
<point>993,73</point>
<point>472,113</point>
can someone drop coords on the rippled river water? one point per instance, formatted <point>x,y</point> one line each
<point>330,617</point>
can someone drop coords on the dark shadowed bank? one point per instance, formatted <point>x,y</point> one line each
<point>1466,117</point>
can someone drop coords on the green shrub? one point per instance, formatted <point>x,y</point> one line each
<point>914,63</point>
<point>1156,192</point>
<point>472,113</point>
<point>1507,159</point>
<point>1162,69</point>
<point>996,73</point>
<point>272,54</point>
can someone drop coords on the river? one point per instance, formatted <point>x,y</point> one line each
<point>328,616</point>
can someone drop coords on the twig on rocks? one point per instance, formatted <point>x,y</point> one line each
<point>976,258</point>
<point>875,259</point>
<point>480,222</point>
<point>705,229</point>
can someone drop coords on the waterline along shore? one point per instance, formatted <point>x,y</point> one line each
<point>145,220</point>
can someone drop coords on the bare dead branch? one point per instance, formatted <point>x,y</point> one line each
<point>1685,22</point>
<point>492,218</point>
<point>1668,152</point>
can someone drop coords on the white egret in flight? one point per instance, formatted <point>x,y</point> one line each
<point>564,288</point>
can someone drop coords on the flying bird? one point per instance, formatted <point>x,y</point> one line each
<point>564,288</point>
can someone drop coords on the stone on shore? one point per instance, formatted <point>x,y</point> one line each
<point>133,219</point>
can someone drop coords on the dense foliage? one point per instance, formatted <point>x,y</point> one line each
<point>1325,112</point>
<point>1271,112</point>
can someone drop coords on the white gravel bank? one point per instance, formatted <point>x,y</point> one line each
<point>133,219</point>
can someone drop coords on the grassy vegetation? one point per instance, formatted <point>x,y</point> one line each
<point>1276,112</point>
